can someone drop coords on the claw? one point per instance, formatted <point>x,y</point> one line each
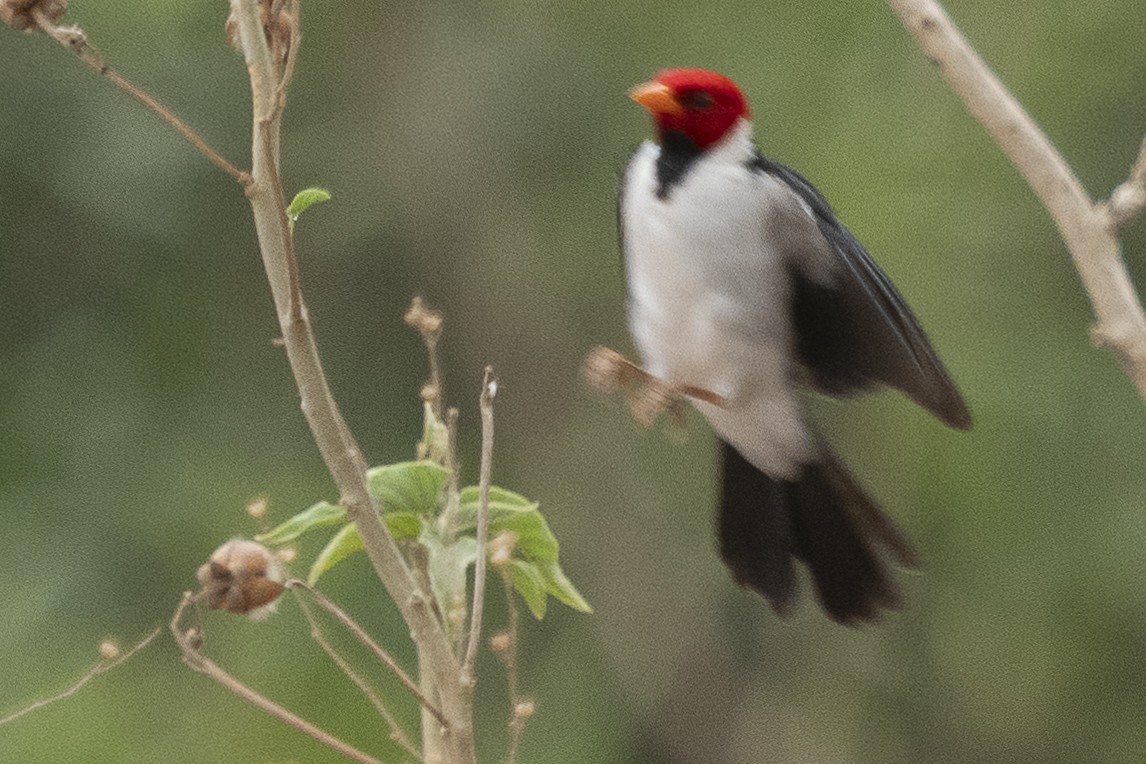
<point>648,396</point>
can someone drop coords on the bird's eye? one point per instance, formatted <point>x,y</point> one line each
<point>696,99</point>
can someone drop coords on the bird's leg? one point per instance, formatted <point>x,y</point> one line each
<point>648,396</point>
<point>702,394</point>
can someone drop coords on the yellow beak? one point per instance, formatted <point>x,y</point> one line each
<point>657,98</point>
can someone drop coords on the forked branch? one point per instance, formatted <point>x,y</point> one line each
<point>112,659</point>
<point>45,16</point>
<point>1090,230</point>
<point>190,643</point>
<point>366,641</point>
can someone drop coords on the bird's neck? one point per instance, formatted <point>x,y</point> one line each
<point>679,153</point>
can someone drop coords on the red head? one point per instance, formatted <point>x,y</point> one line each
<point>701,104</point>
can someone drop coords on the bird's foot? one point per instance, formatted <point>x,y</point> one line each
<point>648,396</point>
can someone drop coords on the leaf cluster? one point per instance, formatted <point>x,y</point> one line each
<point>419,511</point>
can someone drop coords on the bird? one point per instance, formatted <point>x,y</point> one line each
<point>744,291</point>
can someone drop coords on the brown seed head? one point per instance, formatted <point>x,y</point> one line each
<point>21,14</point>
<point>241,577</point>
<point>426,320</point>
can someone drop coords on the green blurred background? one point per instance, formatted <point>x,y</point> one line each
<point>473,151</point>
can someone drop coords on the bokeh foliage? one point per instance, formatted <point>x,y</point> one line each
<point>473,151</point>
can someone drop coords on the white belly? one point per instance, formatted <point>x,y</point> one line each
<point>709,303</point>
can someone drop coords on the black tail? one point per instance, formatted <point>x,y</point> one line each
<point>822,518</point>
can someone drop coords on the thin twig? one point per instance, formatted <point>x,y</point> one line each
<point>488,393</point>
<point>294,286</point>
<point>397,733</point>
<point>188,133</point>
<point>100,668</point>
<point>509,659</point>
<point>428,323</point>
<point>435,375</point>
<point>1089,230</point>
<point>75,39</point>
<point>189,643</point>
<point>360,634</point>
<point>1129,198</point>
<point>291,15</point>
<point>449,518</point>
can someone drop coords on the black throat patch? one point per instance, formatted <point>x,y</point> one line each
<point>678,152</point>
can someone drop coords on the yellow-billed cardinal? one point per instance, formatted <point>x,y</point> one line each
<point>744,284</point>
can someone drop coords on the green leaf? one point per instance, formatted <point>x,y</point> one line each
<point>559,585</point>
<point>501,501</point>
<point>343,544</point>
<point>530,584</point>
<point>534,569</point>
<point>509,511</point>
<point>402,525</point>
<point>319,515</point>
<point>535,541</point>
<point>412,487</point>
<point>446,566</point>
<point>304,199</point>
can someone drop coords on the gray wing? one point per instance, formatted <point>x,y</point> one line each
<point>858,330</point>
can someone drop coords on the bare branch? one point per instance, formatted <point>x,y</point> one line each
<point>291,30</point>
<point>428,323</point>
<point>505,646</point>
<point>341,453</point>
<point>189,641</point>
<point>337,445</point>
<point>452,457</point>
<point>449,516</point>
<point>316,632</point>
<point>100,668</point>
<point>488,393</point>
<point>75,39</point>
<point>1089,230</point>
<point>433,733</point>
<point>360,634</point>
<point>1127,201</point>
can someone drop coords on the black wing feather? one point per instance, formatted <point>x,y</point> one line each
<point>859,330</point>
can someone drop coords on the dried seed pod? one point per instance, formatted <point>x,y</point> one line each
<point>109,650</point>
<point>21,14</point>
<point>241,577</point>
<point>424,319</point>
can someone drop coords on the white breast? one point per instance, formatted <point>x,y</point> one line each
<point>708,294</point>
